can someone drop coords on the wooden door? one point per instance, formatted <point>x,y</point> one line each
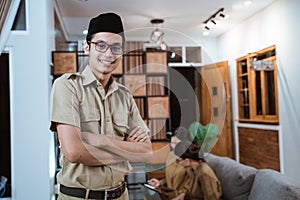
<point>215,106</point>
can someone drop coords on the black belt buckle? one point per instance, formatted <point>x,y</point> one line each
<point>108,193</point>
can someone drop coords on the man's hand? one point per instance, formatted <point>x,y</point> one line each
<point>138,134</point>
<point>141,151</point>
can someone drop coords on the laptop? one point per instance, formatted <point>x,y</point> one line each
<point>150,193</point>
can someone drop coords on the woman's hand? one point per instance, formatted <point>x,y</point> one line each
<point>154,182</point>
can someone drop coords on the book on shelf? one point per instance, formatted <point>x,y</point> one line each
<point>133,63</point>
<point>156,85</point>
<point>158,128</point>
<point>141,106</point>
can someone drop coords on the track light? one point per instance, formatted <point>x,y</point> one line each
<point>211,20</point>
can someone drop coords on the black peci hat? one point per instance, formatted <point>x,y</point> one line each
<point>106,22</point>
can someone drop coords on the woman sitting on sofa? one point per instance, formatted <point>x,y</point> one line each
<point>204,184</point>
<point>174,185</point>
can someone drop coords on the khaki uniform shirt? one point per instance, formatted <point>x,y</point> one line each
<point>204,184</point>
<point>176,177</point>
<point>80,100</point>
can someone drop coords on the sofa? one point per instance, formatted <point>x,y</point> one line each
<point>242,182</point>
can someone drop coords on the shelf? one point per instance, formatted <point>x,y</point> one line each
<point>148,82</point>
<point>257,90</point>
<point>243,75</point>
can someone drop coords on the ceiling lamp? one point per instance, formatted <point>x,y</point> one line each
<point>157,34</point>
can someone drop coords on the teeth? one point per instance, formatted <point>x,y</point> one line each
<point>106,62</point>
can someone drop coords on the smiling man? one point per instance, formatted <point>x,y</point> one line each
<point>98,123</point>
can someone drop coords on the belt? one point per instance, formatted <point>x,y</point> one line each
<point>94,194</point>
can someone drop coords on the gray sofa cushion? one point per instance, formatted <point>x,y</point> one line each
<point>271,185</point>
<point>236,179</point>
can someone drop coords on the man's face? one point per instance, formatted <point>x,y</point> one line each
<point>104,62</point>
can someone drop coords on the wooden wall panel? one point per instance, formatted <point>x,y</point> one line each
<point>259,148</point>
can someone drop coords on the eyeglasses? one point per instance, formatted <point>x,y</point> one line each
<point>103,47</point>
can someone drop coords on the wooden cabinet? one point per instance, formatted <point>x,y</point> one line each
<point>257,87</point>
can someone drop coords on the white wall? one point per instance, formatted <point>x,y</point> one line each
<point>31,140</point>
<point>278,24</point>
<point>179,38</point>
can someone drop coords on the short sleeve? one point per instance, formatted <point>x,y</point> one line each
<point>64,103</point>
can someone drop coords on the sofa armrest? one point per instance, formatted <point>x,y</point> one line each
<point>272,185</point>
<point>236,178</point>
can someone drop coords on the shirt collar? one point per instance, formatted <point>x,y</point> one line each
<point>89,77</point>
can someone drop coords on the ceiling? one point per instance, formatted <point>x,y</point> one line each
<point>180,17</point>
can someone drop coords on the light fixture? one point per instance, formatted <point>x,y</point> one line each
<point>248,3</point>
<point>163,46</point>
<point>211,21</point>
<point>205,33</point>
<point>222,15</point>
<point>157,35</point>
<point>85,32</point>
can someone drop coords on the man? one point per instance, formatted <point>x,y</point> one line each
<point>98,123</point>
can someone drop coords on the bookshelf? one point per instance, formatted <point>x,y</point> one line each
<point>146,76</point>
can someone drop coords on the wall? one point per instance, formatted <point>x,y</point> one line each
<point>32,147</point>
<point>209,45</point>
<point>277,24</point>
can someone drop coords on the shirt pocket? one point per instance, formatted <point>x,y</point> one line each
<point>120,123</point>
<point>90,121</point>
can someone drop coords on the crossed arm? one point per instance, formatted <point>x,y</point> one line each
<point>99,149</point>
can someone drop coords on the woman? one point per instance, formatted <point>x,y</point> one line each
<point>176,182</point>
<point>204,185</point>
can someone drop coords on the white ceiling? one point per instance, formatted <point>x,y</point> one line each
<point>184,17</point>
